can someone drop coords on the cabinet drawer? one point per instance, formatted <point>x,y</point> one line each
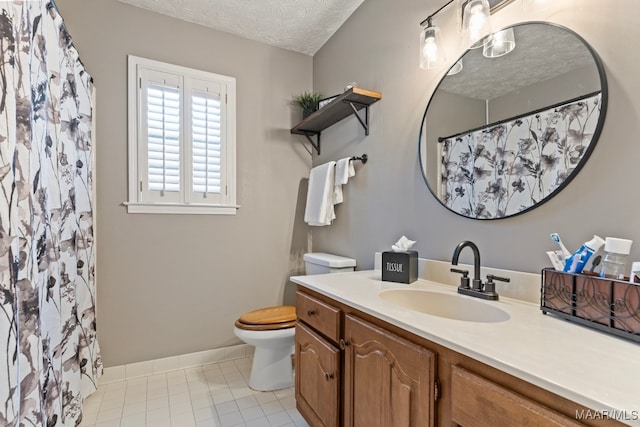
<point>478,402</point>
<point>321,316</point>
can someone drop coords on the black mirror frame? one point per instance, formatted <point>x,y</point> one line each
<point>596,135</point>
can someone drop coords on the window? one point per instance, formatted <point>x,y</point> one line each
<point>181,140</point>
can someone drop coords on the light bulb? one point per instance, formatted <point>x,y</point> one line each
<point>476,23</point>
<point>430,49</point>
<point>476,18</point>
<point>431,55</point>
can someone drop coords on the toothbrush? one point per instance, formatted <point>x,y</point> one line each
<point>556,238</point>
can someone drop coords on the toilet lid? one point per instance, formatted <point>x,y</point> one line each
<point>269,318</point>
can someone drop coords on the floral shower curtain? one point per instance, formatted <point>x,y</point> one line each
<point>49,356</point>
<point>501,170</point>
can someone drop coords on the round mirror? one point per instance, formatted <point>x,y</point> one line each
<point>509,126</point>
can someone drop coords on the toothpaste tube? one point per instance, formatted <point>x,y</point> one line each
<point>576,262</point>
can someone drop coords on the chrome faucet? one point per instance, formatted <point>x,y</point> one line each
<point>477,289</point>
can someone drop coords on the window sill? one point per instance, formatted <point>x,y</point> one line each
<point>180,208</point>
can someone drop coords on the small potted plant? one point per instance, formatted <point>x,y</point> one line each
<point>307,102</point>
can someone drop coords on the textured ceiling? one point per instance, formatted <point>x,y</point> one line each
<point>299,25</point>
<point>542,52</point>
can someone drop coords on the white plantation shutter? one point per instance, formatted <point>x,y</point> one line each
<point>163,138</point>
<point>208,181</point>
<point>182,139</point>
<point>206,143</point>
<point>160,132</point>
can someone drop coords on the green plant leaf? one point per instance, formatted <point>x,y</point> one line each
<point>307,100</point>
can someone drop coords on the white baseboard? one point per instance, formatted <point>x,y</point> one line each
<point>167,364</point>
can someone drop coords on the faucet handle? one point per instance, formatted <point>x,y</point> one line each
<point>492,277</point>
<point>464,280</point>
<point>490,286</point>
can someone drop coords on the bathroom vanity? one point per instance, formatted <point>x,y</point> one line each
<point>365,355</point>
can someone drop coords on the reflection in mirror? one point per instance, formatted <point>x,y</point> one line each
<point>506,134</point>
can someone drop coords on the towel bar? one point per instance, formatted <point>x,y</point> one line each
<point>362,158</point>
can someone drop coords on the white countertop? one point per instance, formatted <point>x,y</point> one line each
<point>599,371</point>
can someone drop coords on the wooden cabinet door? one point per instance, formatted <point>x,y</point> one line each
<point>317,378</point>
<point>388,381</point>
<point>479,402</point>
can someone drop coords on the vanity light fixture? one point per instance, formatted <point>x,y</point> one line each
<point>499,43</point>
<point>474,23</point>
<point>431,53</point>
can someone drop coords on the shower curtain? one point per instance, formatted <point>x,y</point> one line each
<point>503,169</point>
<point>49,356</point>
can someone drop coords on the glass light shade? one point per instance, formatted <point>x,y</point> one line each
<point>431,52</point>
<point>499,43</point>
<point>457,67</point>
<point>476,23</point>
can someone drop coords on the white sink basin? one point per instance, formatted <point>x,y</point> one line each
<point>450,306</point>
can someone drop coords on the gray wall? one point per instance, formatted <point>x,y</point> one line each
<point>174,284</point>
<point>377,47</point>
<point>449,114</point>
<point>545,93</point>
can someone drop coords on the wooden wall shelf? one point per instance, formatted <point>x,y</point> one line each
<point>344,105</point>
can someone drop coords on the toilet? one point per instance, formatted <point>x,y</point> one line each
<point>272,330</point>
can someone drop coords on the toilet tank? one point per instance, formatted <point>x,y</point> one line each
<point>322,263</point>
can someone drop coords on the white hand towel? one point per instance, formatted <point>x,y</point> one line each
<point>344,170</point>
<point>319,209</point>
<point>337,195</point>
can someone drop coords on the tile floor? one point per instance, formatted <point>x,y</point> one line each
<point>215,395</point>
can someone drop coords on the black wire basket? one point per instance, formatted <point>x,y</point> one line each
<point>609,305</point>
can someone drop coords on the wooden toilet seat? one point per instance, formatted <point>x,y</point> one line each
<point>268,319</point>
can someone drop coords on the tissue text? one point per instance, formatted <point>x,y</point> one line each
<point>394,266</point>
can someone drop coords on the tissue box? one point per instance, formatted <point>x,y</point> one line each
<point>401,267</point>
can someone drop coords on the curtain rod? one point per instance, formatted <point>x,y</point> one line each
<point>539,110</point>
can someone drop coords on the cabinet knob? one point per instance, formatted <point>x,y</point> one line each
<point>329,376</point>
<point>311,313</point>
<point>344,343</point>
